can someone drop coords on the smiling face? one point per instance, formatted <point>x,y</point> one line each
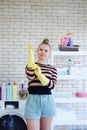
<point>43,53</point>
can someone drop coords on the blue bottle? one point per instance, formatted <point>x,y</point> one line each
<point>70,42</point>
<point>22,85</point>
<point>9,92</point>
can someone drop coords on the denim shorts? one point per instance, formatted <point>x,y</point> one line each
<point>38,106</point>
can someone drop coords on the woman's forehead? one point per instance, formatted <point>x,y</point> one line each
<point>43,46</point>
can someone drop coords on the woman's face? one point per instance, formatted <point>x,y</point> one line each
<point>43,52</point>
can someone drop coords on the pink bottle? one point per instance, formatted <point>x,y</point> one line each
<point>3,94</point>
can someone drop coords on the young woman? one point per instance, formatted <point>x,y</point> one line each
<point>40,107</point>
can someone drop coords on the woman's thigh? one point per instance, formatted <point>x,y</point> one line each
<point>33,124</point>
<point>45,123</point>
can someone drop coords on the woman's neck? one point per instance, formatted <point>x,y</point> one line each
<point>42,62</point>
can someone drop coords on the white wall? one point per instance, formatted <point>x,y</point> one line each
<point>24,20</point>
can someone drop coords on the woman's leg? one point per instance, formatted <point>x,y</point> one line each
<point>33,124</point>
<point>45,123</point>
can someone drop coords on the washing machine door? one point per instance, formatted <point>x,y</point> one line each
<point>12,122</point>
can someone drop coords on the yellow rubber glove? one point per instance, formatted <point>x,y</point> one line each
<point>43,79</point>
<point>31,62</point>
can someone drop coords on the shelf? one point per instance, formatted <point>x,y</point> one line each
<point>65,53</point>
<point>69,122</point>
<point>71,119</point>
<point>57,121</point>
<point>68,77</point>
<point>70,100</point>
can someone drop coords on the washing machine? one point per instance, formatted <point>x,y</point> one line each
<point>12,115</point>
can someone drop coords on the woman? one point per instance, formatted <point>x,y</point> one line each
<point>42,77</point>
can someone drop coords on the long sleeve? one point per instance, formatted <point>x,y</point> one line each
<point>53,79</point>
<point>34,84</point>
<point>29,73</point>
<point>43,79</point>
<point>50,73</point>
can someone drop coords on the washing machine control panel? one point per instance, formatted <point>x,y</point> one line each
<point>20,104</point>
<point>9,104</point>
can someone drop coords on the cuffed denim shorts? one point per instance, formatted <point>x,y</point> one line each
<point>38,106</point>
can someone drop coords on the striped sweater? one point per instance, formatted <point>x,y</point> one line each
<point>35,86</point>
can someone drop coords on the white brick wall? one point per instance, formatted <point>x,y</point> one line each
<point>24,20</point>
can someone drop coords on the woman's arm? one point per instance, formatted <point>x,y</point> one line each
<point>29,73</point>
<point>53,79</point>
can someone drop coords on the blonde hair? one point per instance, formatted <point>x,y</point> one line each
<point>45,42</point>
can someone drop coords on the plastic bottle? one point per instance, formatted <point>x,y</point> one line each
<point>3,95</point>
<point>70,42</point>
<point>22,85</point>
<point>14,91</point>
<point>9,91</point>
<point>0,92</point>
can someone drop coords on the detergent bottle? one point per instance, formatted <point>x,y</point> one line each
<point>14,91</point>
<point>70,42</point>
<point>9,91</point>
<point>3,94</point>
<point>0,92</point>
<point>69,36</point>
<point>22,85</point>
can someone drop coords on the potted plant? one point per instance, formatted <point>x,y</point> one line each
<point>23,93</point>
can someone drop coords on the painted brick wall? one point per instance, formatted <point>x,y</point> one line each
<point>24,20</point>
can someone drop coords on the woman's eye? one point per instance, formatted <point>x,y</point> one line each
<point>46,50</point>
<point>41,49</point>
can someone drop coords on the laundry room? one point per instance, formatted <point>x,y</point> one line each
<point>59,28</point>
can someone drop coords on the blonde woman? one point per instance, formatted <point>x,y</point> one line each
<point>40,106</point>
